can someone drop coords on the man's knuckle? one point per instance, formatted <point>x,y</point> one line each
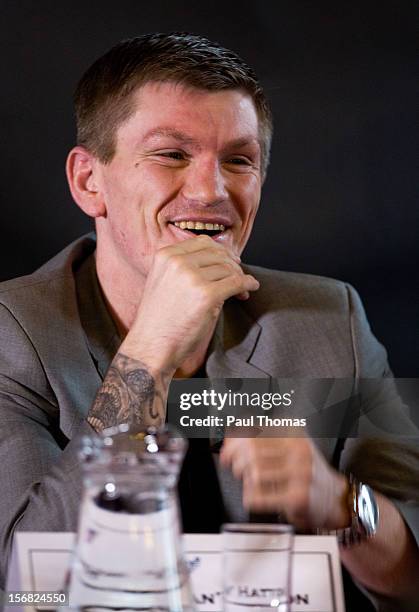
<point>253,451</point>
<point>177,262</point>
<point>204,295</point>
<point>233,267</point>
<point>256,472</point>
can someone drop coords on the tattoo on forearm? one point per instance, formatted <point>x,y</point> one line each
<point>129,394</point>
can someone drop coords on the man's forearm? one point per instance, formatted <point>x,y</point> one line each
<point>130,393</point>
<point>388,563</point>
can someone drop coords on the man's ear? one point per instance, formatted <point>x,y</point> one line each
<point>80,170</point>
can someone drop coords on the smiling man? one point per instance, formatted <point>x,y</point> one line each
<point>187,166</point>
<point>173,145</point>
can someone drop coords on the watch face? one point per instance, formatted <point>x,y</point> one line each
<point>367,509</point>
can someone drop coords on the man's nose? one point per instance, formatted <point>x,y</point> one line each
<point>205,183</point>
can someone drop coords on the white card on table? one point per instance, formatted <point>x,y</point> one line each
<point>40,562</point>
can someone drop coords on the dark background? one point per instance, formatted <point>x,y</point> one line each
<point>341,197</point>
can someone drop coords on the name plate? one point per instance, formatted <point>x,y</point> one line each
<point>40,563</point>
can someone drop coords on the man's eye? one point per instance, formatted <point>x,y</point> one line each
<point>238,161</point>
<point>238,164</point>
<point>177,155</point>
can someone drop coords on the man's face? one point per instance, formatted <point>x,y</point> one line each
<point>186,161</point>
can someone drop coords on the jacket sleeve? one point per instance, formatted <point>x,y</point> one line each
<point>41,479</point>
<point>385,452</point>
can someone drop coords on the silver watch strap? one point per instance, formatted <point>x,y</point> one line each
<point>364,515</point>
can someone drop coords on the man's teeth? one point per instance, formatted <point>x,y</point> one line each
<point>198,225</point>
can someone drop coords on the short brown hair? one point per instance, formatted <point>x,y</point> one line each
<point>103,96</point>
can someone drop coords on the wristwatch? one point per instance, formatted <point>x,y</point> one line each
<point>364,513</point>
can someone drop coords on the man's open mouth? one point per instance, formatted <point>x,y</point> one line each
<point>199,227</point>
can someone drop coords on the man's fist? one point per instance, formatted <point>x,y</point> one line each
<point>183,295</point>
<point>288,476</point>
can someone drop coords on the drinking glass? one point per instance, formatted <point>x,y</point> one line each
<point>257,567</point>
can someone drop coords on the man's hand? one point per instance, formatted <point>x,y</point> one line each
<point>288,476</point>
<point>183,295</point>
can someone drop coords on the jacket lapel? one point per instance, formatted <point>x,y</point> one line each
<point>100,331</point>
<point>233,345</point>
<point>229,356</point>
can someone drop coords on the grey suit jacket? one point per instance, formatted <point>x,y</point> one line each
<point>57,341</point>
